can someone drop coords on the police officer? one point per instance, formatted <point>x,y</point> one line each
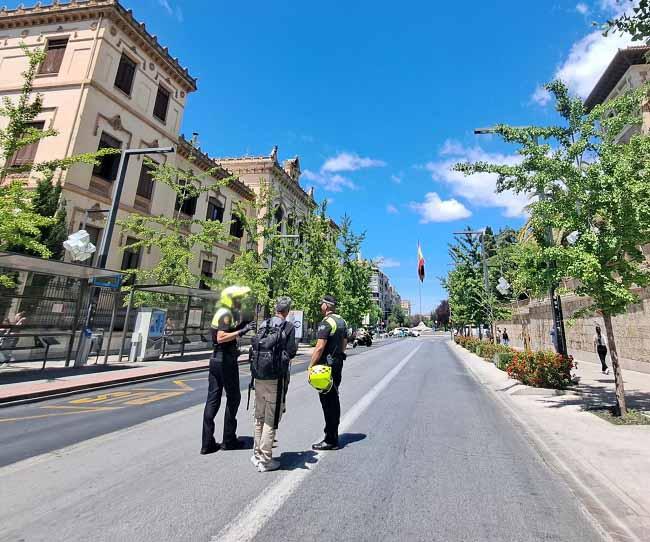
<point>224,370</point>
<point>330,350</point>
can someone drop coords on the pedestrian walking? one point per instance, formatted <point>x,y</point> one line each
<point>601,349</point>
<point>498,334</point>
<point>227,326</point>
<point>505,337</point>
<point>326,368</point>
<point>274,347</point>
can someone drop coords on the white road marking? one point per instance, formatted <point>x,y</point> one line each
<point>253,518</point>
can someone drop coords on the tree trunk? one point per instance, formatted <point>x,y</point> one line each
<point>618,375</point>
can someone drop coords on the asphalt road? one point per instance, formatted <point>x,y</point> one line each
<point>37,428</point>
<point>427,455</point>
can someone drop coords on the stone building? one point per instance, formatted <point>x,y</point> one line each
<point>291,202</point>
<point>406,307</point>
<point>107,82</point>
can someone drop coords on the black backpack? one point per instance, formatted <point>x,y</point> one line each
<point>268,357</point>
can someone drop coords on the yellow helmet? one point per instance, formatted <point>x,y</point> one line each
<point>320,378</point>
<point>228,295</point>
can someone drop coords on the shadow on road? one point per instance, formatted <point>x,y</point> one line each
<point>350,438</point>
<point>297,460</point>
<point>599,396</point>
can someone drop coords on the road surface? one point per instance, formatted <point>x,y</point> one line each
<point>427,455</point>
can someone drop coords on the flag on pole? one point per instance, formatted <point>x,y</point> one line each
<point>420,263</point>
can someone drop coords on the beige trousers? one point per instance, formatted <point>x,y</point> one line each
<point>265,405</point>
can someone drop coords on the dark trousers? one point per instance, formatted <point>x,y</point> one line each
<point>224,373</point>
<point>332,406</point>
<point>602,354</point>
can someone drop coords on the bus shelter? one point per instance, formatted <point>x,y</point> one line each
<point>187,315</point>
<point>42,312</point>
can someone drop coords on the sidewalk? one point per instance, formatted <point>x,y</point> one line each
<point>24,382</point>
<point>607,466</point>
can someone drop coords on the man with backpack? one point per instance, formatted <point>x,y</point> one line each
<point>272,350</point>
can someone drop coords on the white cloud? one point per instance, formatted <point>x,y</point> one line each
<point>386,263</point>
<point>541,96</point>
<point>434,209</point>
<point>451,147</point>
<point>346,161</point>
<point>582,8</point>
<point>397,179</point>
<point>171,10</point>
<point>391,209</point>
<point>478,189</point>
<point>588,59</point>
<point>329,176</point>
<point>590,55</point>
<point>331,183</point>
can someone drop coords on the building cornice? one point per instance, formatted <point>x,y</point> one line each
<point>266,164</point>
<point>80,10</point>
<point>205,163</point>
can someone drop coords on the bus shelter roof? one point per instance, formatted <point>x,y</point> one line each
<point>173,289</point>
<point>22,262</point>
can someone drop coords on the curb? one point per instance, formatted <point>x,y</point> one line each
<point>600,504</point>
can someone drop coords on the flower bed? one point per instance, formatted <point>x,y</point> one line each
<point>542,369</point>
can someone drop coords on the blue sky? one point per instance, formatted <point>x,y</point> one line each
<point>380,98</point>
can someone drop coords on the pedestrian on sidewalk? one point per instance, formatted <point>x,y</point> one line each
<point>498,335</point>
<point>330,348</point>
<point>505,337</point>
<point>273,349</point>
<point>227,326</point>
<point>601,348</point>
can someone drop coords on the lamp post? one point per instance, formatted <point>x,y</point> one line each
<point>106,240</point>
<point>556,302</point>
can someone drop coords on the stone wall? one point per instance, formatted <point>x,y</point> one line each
<point>632,329</point>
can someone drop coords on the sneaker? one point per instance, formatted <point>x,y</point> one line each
<point>255,461</point>
<point>606,371</point>
<point>269,466</point>
<point>322,446</point>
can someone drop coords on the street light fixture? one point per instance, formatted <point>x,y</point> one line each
<point>556,302</point>
<point>117,195</point>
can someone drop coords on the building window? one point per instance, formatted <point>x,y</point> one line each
<point>25,155</point>
<point>236,227</point>
<point>162,103</point>
<point>206,271</point>
<point>107,167</point>
<point>125,74</point>
<point>53,56</point>
<point>215,210</point>
<point>145,183</point>
<point>131,255</point>
<point>186,206</point>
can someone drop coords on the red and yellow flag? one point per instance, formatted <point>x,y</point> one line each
<point>420,263</point>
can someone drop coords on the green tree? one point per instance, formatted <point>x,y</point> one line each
<point>23,227</point>
<point>176,239</point>
<point>593,215</point>
<point>356,298</point>
<point>635,22</point>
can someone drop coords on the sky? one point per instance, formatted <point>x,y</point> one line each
<point>379,100</point>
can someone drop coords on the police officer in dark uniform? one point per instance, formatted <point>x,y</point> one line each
<point>330,350</point>
<point>224,370</point>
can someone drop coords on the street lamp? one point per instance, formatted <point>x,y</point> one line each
<point>556,302</point>
<point>106,243</point>
<point>117,195</point>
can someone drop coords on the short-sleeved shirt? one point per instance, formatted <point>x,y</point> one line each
<point>224,321</point>
<point>334,330</point>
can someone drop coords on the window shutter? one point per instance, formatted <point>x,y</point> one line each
<point>125,74</point>
<point>162,104</point>
<point>27,154</point>
<point>54,56</point>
